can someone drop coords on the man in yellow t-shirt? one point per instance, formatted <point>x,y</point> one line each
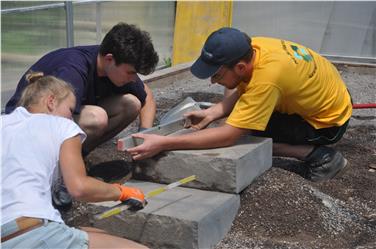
<point>274,88</point>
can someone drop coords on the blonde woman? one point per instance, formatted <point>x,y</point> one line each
<point>38,137</point>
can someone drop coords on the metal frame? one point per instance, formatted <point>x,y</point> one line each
<point>68,7</point>
<point>174,127</point>
<point>98,21</point>
<point>32,8</point>
<point>365,61</point>
<point>69,22</point>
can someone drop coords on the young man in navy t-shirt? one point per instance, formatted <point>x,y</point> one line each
<point>109,93</point>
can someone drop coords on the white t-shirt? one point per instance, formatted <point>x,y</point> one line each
<point>30,153</point>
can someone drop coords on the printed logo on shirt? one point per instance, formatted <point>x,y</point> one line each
<point>301,53</point>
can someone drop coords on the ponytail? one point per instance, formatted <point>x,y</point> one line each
<point>31,76</point>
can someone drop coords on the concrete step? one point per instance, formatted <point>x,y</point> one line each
<point>229,169</point>
<point>178,218</point>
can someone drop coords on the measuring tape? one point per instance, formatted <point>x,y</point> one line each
<point>117,209</point>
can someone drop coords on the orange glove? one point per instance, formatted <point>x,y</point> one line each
<point>133,197</point>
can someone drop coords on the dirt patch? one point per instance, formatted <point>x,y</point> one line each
<point>282,209</point>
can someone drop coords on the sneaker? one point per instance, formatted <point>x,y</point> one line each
<point>324,163</point>
<point>61,199</point>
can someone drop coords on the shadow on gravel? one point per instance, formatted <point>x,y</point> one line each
<point>110,171</point>
<point>294,166</point>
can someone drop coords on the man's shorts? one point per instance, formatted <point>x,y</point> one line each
<point>293,129</point>
<point>50,235</point>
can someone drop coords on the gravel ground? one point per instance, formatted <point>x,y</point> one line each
<point>281,209</point>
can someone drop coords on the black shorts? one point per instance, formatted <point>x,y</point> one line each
<point>293,129</point>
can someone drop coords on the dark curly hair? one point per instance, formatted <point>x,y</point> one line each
<point>128,44</point>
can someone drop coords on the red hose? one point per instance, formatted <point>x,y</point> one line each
<point>364,106</point>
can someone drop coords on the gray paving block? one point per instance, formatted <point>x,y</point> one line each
<point>179,218</point>
<point>229,169</point>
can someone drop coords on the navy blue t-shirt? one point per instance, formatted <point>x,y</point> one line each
<point>77,66</point>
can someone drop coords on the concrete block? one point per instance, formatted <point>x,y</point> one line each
<point>229,169</point>
<point>164,77</point>
<point>179,218</point>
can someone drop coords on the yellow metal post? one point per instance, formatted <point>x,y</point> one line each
<point>194,22</point>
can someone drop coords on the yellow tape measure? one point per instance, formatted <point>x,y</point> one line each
<point>117,209</point>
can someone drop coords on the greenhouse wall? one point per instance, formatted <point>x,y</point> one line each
<point>30,29</point>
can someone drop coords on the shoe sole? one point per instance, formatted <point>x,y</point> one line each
<point>339,172</point>
<point>342,170</point>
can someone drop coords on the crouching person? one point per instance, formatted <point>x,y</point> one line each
<point>38,137</point>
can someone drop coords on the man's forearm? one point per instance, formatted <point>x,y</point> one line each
<point>223,136</point>
<point>224,108</point>
<point>204,139</point>
<point>147,113</point>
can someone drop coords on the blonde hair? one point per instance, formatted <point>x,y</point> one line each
<point>40,85</point>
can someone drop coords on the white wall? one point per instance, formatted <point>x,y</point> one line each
<point>332,28</point>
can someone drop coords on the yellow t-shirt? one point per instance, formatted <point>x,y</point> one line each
<point>292,79</point>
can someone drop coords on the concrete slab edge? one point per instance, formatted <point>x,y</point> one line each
<point>166,72</point>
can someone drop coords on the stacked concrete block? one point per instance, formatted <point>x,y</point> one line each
<point>186,217</point>
<point>179,218</point>
<point>229,169</point>
<point>189,216</point>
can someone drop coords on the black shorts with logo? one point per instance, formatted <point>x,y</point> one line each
<point>293,129</point>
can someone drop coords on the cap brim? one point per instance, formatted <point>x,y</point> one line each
<point>203,70</point>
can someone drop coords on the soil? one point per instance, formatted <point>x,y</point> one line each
<point>282,209</point>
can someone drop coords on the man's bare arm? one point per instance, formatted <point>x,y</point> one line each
<point>223,136</point>
<point>147,113</point>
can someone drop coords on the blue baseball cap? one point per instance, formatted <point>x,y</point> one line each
<point>223,47</point>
